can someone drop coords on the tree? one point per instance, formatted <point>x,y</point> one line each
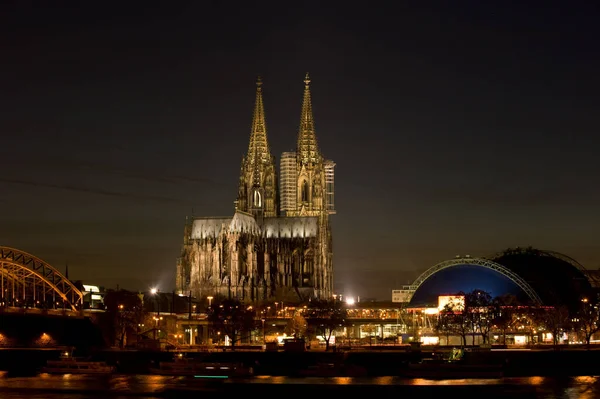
<point>527,319</point>
<point>232,318</point>
<point>124,312</point>
<point>587,320</point>
<point>443,325</point>
<point>296,326</point>
<point>480,311</point>
<point>554,320</point>
<point>455,320</point>
<point>325,316</point>
<point>504,314</point>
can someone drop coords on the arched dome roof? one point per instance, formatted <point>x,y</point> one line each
<point>557,279</point>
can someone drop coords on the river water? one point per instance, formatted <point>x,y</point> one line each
<point>46,386</point>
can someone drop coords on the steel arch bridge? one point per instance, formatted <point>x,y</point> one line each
<point>28,281</point>
<point>488,264</point>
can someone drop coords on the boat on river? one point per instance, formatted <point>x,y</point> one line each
<point>67,364</point>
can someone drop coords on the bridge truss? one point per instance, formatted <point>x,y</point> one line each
<point>27,281</point>
<point>481,262</point>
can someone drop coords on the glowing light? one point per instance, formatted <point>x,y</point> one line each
<point>455,302</point>
<point>350,301</point>
<point>153,291</point>
<point>211,376</point>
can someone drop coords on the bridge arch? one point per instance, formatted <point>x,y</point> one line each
<point>480,262</point>
<point>26,280</point>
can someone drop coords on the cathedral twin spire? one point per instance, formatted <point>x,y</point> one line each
<point>308,150</point>
<point>307,147</point>
<point>258,149</point>
<point>258,191</point>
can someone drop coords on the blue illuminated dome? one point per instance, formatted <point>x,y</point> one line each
<point>463,278</point>
<point>532,275</point>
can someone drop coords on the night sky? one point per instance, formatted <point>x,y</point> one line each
<point>456,129</point>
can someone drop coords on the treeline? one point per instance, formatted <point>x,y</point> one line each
<point>480,315</point>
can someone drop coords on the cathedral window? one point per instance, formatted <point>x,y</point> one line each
<point>305,191</point>
<point>257,199</point>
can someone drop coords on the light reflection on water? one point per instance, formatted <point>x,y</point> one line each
<point>456,381</point>
<point>545,387</point>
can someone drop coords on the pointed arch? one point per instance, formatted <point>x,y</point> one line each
<point>304,190</point>
<point>257,199</point>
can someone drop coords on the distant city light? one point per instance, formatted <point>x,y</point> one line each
<point>350,301</point>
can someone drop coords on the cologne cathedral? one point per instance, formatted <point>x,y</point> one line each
<point>278,242</point>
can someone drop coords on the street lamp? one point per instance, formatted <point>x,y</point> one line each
<point>210,298</point>
<point>156,291</point>
<point>264,336</point>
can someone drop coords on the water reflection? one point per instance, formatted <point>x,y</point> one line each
<point>586,379</point>
<point>342,380</point>
<point>140,385</point>
<point>384,380</point>
<point>535,380</point>
<point>467,381</point>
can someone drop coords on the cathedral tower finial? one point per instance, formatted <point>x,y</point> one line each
<point>259,146</point>
<point>308,150</point>
<point>257,185</point>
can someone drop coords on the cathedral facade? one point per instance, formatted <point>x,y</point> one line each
<point>278,242</point>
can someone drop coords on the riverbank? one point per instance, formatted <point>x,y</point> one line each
<point>514,363</point>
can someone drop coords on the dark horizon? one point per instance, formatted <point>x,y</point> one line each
<point>462,129</point>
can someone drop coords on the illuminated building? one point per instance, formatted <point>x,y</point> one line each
<point>93,297</point>
<point>288,182</point>
<point>278,242</point>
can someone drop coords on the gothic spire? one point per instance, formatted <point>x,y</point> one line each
<point>308,150</point>
<point>256,171</point>
<point>259,146</point>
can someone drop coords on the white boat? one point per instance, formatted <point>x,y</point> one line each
<point>68,364</point>
<point>182,366</point>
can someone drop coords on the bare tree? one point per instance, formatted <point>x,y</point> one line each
<point>233,318</point>
<point>527,320</point>
<point>456,321</point>
<point>125,312</point>
<point>296,326</point>
<point>326,316</point>
<point>587,320</point>
<point>504,314</point>
<point>443,325</point>
<point>554,320</point>
<point>479,310</point>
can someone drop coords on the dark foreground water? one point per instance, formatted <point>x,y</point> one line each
<point>46,386</point>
